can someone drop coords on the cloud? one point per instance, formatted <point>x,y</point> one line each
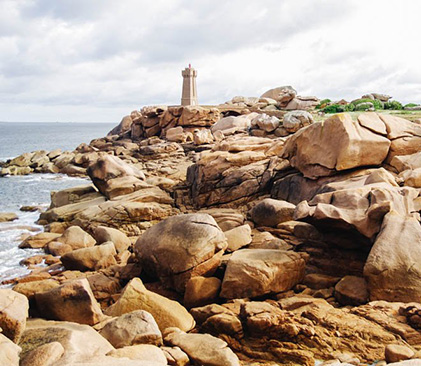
<point>94,60</point>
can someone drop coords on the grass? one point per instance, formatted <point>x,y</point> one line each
<point>409,115</point>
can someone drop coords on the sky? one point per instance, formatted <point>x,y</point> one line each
<point>98,60</point>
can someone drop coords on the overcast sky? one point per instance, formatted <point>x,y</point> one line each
<point>97,60</point>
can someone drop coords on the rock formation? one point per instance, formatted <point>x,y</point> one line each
<point>250,233</point>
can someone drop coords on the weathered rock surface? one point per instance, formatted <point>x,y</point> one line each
<point>235,172</point>
<point>313,151</point>
<point>201,291</point>
<point>142,352</point>
<point>230,125</point>
<point>136,327</point>
<point>238,237</point>
<point>393,269</point>
<point>167,313</point>
<point>13,313</point>
<point>357,205</point>
<point>38,241</point>
<point>72,301</point>
<point>46,355</point>
<point>295,120</point>
<point>396,353</point>
<point>203,349</point>
<point>9,352</point>
<point>98,256</point>
<point>255,272</point>
<point>76,238</point>
<point>283,95</point>
<point>181,247</point>
<point>270,212</point>
<point>80,342</point>
<point>120,240</point>
<point>351,290</point>
<point>108,168</point>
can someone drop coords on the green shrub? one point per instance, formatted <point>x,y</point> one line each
<point>349,107</point>
<point>393,105</point>
<point>334,108</point>
<point>376,103</point>
<point>363,106</point>
<point>409,105</point>
<point>323,103</point>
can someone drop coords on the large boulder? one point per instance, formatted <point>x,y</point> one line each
<point>256,272</point>
<point>181,247</point>
<point>198,116</point>
<point>13,313</point>
<point>124,126</point>
<point>236,171</point>
<point>302,103</point>
<point>405,136</point>
<point>72,301</point>
<point>86,259</point>
<point>80,342</point>
<point>120,240</point>
<point>167,313</point>
<point>295,120</point>
<point>108,168</point>
<point>76,238</point>
<point>393,267</point>
<point>232,124</point>
<point>337,144</point>
<point>136,327</point>
<point>283,95</point>
<point>271,212</point>
<point>203,349</point>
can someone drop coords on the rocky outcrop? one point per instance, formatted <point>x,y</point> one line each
<point>181,247</point>
<point>235,172</point>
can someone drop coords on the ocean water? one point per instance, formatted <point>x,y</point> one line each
<point>34,189</point>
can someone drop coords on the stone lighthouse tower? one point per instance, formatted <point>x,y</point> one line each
<point>189,95</point>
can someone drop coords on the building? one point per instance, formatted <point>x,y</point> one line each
<point>189,93</point>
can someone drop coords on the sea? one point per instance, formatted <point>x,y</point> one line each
<point>34,189</point>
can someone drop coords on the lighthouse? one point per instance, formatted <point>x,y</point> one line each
<point>189,93</point>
